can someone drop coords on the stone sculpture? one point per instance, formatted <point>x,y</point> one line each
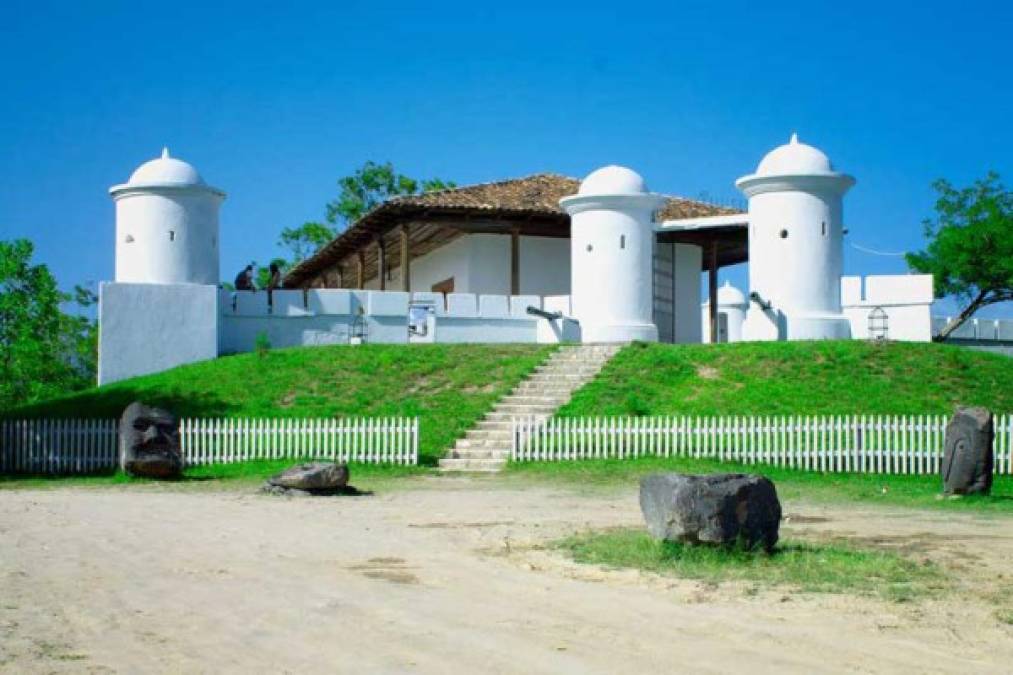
<point>149,442</point>
<point>968,455</point>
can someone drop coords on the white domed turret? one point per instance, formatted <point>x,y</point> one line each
<point>729,296</point>
<point>732,305</point>
<point>611,248</point>
<point>167,225</point>
<point>795,245</point>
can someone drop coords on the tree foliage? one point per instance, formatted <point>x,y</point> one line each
<point>367,188</point>
<point>372,185</point>
<point>43,351</point>
<point>970,249</point>
<point>264,273</point>
<point>305,240</point>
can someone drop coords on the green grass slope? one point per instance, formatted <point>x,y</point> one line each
<point>449,387</point>
<point>795,378</point>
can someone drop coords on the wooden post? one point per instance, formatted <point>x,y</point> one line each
<point>712,290</point>
<point>381,262</point>
<point>406,260</point>
<point>341,276</point>
<point>360,269</point>
<point>515,262</point>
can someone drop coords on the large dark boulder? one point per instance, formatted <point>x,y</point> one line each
<point>724,509</point>
<point>312,478</point>
<point>968,455</point>
<point>149,442</point>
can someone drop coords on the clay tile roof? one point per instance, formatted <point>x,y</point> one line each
<point>537,195</point>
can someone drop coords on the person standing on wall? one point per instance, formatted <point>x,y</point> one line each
<point>273,282</point>
<point>244,280</point>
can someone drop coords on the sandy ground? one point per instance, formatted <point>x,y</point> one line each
<point>447,575</point>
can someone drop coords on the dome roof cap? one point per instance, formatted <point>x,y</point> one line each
<point>794,159</point>
<point>613,180</point>
<point>728,295</point>
<point>166,170</point>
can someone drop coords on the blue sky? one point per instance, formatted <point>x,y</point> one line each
<point>273,102</point>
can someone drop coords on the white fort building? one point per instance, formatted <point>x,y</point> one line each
<point>544,258</point>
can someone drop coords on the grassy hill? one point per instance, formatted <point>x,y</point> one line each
<point>447,386</point>
<point>846,377</point>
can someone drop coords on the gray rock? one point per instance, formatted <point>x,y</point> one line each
<point>968,455</point>
<point>312,476</point>
<point>149,442</point>
<point>278,491</point>
<point>717,509</point>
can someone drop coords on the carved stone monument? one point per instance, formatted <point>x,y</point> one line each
<point>968,455</point>
<point>149,442</point>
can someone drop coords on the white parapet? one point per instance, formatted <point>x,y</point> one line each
<point>148,328</point>
<point>324,301</point>
<point>494,306</point>
<point>905,300</point>
<point>462,305</point>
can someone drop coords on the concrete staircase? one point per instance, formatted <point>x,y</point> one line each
<point>486,447</point>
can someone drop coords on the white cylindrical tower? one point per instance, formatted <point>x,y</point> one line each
<point>732,306</point>
<point>795,245</point>
<point>167,225</point>
<point>611,256</point>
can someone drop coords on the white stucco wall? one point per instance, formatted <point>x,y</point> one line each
<point>688,265</point>
<point>147,328</point>
<point>480,264</point>
<point>167,236</point>
<point>906,299</point>
<point>544,266</point>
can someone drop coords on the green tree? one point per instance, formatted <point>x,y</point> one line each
<point>80,338</point>
<point>970,249</point>
<point>305,240</point>
<point>372,185</point>
<point>367,188</point>
<point>35,356</point>
<point>264,273</point>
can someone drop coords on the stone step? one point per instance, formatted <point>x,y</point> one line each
<point>488,434</point>
<point>562,374</point>
<point>480,453</point>
<point>529,389</point>
<point>497,424</point>
<point>482,443</point>
<point>575,368</point>
<point>507,417</point>
<point>473,465</point>
<point>487,446</point>
<point>531,399</point>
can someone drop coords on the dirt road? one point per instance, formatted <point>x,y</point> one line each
<point>446,575</point>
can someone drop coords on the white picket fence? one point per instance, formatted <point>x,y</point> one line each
<point>385,440</point>
<point>838,443</point>
<point>57,446</point>
<point>70,446</point>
